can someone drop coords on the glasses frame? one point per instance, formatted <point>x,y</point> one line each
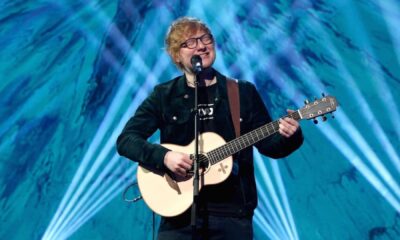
<point>196,42</point>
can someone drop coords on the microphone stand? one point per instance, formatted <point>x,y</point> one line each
<point>196,179</point>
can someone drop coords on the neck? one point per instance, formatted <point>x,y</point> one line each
<point>205,78</point>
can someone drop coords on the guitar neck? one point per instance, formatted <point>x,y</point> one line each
<point>247,140</point>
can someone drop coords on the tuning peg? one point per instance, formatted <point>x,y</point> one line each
<point>333,116</point>
<point>315,98</point>
<point>306,101</point>
<point>324,118</point>
<point>323,94</point>
<point>315,121</point>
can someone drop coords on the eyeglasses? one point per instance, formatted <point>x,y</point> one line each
<point>192,42</point>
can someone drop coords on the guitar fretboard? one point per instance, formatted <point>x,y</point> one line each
<point>247,140</point>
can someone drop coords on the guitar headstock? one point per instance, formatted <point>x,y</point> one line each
<point>319,107</point>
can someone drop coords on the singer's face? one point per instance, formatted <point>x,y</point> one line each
<point>205,51</point>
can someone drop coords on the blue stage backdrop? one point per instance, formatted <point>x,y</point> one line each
<point>73,72</point>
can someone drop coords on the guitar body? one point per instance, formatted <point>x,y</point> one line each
<point>169,196</point>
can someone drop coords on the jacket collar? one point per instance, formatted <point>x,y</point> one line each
<point>181,87</point>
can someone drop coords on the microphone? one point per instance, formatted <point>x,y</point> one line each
<point>197,65</point>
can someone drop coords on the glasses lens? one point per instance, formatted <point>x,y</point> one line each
<point>206,39</point>
<point>192,42</point>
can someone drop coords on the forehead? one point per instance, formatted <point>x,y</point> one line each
<point>192,29</point>
<point>195,34</point>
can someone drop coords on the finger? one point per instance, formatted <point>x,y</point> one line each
<point>187,160</point>
<point>181,172</point>
<point>283,133</point>
<point>284,123</point>
<point>290,123</point>
<point>286,129</point>
<point>289,110</point>
<point>185,165</point>
<point>282,127</point>
<point>184,172</point>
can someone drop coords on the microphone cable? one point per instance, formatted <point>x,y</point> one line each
<point>135,199</point>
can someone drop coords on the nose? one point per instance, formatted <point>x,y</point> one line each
<point>200,44</point>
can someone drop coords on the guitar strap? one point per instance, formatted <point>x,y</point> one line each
<point>234,103</point>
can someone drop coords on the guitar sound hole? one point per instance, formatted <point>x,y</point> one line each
<point>203,163</point>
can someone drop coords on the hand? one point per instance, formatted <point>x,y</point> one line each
<point>288,126</point>
<point>179,163</point>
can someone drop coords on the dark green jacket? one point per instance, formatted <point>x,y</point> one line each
<point>169,109</point>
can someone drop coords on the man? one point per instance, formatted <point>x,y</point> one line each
<point>225,209</point>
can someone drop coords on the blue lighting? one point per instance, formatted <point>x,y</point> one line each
<point>73,73</point>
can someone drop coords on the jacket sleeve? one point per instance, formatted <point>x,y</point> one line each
<point>132,142</point>
<point>275,146</point>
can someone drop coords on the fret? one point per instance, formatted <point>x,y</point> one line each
<point>246,139</point>
<point>211,157</point>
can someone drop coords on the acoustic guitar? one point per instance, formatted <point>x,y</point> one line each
<point>169,195</point>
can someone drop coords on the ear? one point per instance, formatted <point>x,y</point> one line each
<point>177,59</point>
